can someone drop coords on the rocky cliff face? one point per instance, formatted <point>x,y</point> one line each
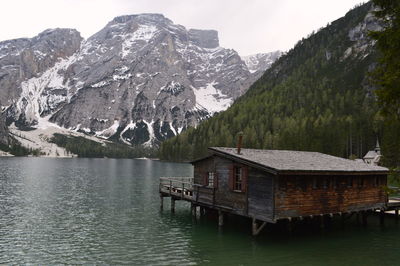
<point>258,63</point>
<point>22,59</point>
<point>139,80</point>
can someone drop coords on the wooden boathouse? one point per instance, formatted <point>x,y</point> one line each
<point>271,185</point>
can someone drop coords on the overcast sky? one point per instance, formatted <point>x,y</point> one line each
<point>248,26</point>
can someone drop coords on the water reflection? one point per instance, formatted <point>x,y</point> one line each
<point>106,211</point>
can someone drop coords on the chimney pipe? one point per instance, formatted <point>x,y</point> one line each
<point>239,144</point>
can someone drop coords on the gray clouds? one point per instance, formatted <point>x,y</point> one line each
<point>248,26</point>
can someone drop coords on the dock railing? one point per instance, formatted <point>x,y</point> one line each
<point>181,187</point>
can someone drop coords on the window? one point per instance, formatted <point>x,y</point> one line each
<point>314,183</point>
<point>237,181</point>
<point>238,178</point>
<point>378,181</point>
<point>349,182</point>
<point>211,179</point>
<point>301,183</point>
<point>325,183</point>
<point>360,182</point>
<point>335,182</point>
<point>283,183</point>
<point>321,182</point>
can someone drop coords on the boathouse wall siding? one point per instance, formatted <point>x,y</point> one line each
<point>270,196</point>
<point>292,200</point>
<point>224,195</point>
<point>260,195</point>
<point>202,193</point>
<point>221,196</point>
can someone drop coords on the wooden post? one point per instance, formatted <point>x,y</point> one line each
<point>220,218</point>
<point>172,205</point>
<point>201,211</point>
<point>396,213</point>
<point>358,218</point>
<point>254,227</point>
<point>343,219</point>
<point>161,202</point>
<point>321,222</point>
<point>289,225</point>
<point>382,217</point>
<point>364,218</point>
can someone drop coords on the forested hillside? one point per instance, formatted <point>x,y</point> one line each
<point>317,97</point>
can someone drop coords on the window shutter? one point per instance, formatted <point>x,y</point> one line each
<point>216,180</point>
<point>205,179</point>
<point>231,179</point>
<point>245,178</point>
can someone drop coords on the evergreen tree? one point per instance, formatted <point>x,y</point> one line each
<point>386,77</point>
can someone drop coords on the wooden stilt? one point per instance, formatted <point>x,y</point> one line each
<point>289,225</point>
<point>255,228</point>
<point>364,218</point>
<point>343,219</point>
<point>172,205</point>
<point>191,208</point>
<point>321,222</point>
<point>396,212</point>
<point>220,218</point>
<point>161,202</point>
<point>382,217</point>
<point>201,211</point>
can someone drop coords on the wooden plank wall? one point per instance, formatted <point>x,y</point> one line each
<point>261,195</point>
<point>201,168</point>
<point>292,200</point>
<point>224,196</point>
<point>236,201</point>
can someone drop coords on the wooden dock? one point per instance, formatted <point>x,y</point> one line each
<point>183,188</point>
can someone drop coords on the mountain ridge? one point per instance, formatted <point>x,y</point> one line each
<point>140,80</point>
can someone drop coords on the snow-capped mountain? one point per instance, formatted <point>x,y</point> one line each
<point>258,63</point>
<point>141,79</point>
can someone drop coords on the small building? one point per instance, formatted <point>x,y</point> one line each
<point>270,185</point>
<point>373,157</point>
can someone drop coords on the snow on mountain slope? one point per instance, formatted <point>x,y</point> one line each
<point>141,79</point>
<point>261,62</point>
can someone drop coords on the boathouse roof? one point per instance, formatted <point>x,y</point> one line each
<point>295,161</point>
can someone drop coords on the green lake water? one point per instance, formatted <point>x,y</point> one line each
<point>106,211</point>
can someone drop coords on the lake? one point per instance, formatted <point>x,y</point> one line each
<point>107,211</point>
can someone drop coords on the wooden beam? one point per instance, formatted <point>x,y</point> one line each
<point>257,229</point>
<point>220,218</point>
<point>172,204</point>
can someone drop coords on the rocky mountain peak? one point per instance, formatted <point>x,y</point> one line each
<point>22,59</point>
<point>139,80</point>
<point>204,38</point>
<point>145,17</point>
